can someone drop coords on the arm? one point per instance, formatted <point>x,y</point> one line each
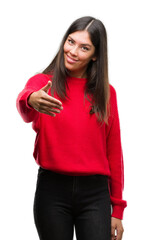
<point>115,158</point>
<point>34,98</point>
<point>27,112</point>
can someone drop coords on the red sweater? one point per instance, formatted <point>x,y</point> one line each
<point>73,142</point>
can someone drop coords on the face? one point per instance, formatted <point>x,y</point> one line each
<point>78,52</point>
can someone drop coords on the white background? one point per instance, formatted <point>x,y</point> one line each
<point>31,32</point>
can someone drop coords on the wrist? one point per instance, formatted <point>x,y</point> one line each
<point>29,100</point>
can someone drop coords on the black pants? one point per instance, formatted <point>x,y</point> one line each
<point>63,202</point>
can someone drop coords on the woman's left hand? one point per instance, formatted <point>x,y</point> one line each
<point>116,224</point>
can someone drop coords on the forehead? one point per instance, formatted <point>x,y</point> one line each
<point>81,37</point>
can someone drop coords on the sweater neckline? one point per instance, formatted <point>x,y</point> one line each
<point>77,79</point>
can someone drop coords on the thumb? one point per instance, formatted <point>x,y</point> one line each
<point>47,87</point>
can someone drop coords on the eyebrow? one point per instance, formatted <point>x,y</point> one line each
<point>83,44</point>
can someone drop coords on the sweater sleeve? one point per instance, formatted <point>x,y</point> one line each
<point>35,83</point>
<point>115,158</point>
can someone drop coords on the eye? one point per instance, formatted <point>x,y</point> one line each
<point>85,48</point>
<point>70,41</point>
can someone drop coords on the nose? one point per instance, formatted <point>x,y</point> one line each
<point>73,51</point>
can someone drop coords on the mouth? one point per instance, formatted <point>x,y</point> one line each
<point>70,60</point>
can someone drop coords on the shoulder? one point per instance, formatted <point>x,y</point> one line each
<point>38,80</point>
<point>112,89</point>
<point>113,101</point>
<point>40,76</point>
<point>113,95</point>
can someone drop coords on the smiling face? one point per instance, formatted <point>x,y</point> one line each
<point>78,52</point>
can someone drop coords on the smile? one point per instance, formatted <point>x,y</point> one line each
<point>71,60</point>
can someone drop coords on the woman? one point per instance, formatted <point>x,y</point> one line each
<point>73,110</point>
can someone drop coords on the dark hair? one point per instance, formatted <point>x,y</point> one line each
<point>97,85</point>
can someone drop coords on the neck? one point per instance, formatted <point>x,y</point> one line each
<point>78,75</point>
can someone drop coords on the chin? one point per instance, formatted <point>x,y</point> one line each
<point>69,67</point>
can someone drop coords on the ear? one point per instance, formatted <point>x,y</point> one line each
<point>94,59</point>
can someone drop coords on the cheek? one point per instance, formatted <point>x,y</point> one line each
<point>85,58</point>
<point>66,48</point>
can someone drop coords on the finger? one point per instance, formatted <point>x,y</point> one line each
<point>47,109</point>
<point>114,238</point>
<point>47,87</point>
<point>54,110</point>
<point>119,234</point>
<point>51,99</point>
<point>48,113</point>
<point>112,233</point>
<point>50,104</point>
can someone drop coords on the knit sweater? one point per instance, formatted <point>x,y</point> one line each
<point>74,142</point>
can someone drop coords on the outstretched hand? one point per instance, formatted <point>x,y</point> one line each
<point>116,224</point>
<point>44,103</point>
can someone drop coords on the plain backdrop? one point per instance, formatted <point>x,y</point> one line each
<point>31,32</point>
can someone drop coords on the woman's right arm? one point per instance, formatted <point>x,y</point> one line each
<point>34,98</point>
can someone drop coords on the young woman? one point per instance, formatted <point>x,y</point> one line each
<point>73,110</point>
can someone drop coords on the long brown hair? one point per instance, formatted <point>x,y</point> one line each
<point>97,85</point>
